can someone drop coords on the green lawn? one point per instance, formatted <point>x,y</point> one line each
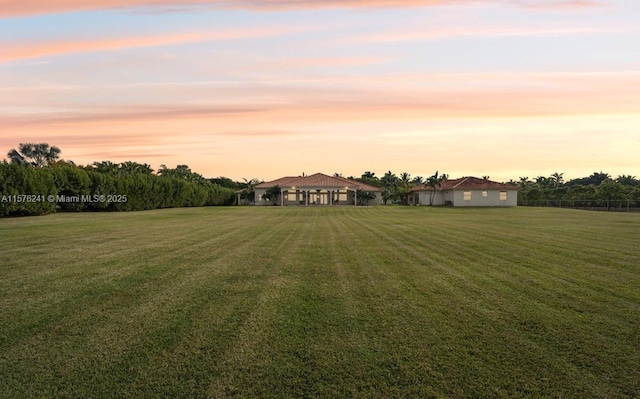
<point>375,302</point>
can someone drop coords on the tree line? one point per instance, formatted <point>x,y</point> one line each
<point>598,189</point>
<point>37,169</point>
<point>37,182</point>
<point>397,188</point>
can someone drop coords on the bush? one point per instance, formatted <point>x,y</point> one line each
<point>142,191</point>
<point>17,182</point>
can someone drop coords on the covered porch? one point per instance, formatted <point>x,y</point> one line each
<point>318,196</point>
<point>317,189</point>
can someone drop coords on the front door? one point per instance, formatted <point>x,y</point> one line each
<point>318,199</point>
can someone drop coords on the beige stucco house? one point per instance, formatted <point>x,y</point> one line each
<point>466,191</point>
<point>316,189</point>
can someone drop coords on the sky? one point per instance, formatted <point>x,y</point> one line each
<point>271,88</point>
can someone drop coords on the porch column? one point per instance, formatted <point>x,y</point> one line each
<point>306,197</point>
<point>281,198</point>
<point>355,195</point>
<point>330,197</point>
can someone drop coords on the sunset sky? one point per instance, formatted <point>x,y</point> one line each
<point>268,88</point>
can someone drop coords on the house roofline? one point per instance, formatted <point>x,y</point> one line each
<point>317,180</point>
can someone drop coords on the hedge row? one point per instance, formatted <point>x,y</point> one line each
<point>26,190</point>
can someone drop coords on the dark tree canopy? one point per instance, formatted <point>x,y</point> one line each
<point>434,182</point>
<point>35,154</point>
<point>272,194</point>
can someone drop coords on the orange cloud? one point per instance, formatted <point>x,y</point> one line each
<point>129,113</point>
<point>269,146</point>
<point>10,8</point>
<point>494,113</point>
<point>311,107</point>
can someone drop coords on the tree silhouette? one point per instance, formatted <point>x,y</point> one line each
<point>557,179</point>
<point>389,186</point>
<point>434,182</point>
<point>39,155</point>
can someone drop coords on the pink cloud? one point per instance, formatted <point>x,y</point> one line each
<point>18,51</point>
<point>10,8</point>
<point>313,108</point>
<point>34,7</point>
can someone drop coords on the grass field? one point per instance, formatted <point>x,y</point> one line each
<point>376,302</point>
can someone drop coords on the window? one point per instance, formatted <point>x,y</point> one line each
<point>342,197</point>
<point>485,193</point>
<point>503,195</point>
<point>291,196</point>
<point>467,195</point>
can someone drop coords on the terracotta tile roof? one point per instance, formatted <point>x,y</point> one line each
<point>317,180</point>
<point>468,183</point>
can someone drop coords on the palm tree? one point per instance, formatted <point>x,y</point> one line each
<point>404,188</point>
<point>542,181</point>
<point>145,168</point>
<point>38,155</point>
<point>434,182</point>
<point>164,171</point>
<point>389,186</point>
<point>369,175</point>
<point>182,172</point>
<point>556,179</point>
<point>17,158</point>
<point>106,167</point>
<point>628,180</point>
<point>598,177</point>
<point>248,193</point>
<point>135,167</point>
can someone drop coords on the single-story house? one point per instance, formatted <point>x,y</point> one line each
<point>466,191</point>
<point>316,189</point>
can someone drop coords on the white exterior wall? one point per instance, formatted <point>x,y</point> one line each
<point>492,198</point>
<point>448,196</point>
<point>425,198</point>
<point>512,198</point>
<point>377,200</point>
<point>259,192</point>
<point>456,198</point>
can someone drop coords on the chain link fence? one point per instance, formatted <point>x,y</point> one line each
<point>589,204</point>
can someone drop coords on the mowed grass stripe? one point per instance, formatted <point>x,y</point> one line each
<point>139,300</point>
<point>321,302</point>
<point>444,298</point>
<point>140,266</point>
<point>513,282</point>
<point>488,243</point>
<point>331,330</point>
<point>454,295</point>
